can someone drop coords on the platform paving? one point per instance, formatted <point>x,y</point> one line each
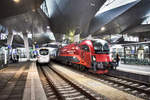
<point>138,69</point>
<point>21,81</point>
<point>33,89</point>
<point>98,87</point>
<point>12,81</point>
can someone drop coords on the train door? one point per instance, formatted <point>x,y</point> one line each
<point>85,55</point>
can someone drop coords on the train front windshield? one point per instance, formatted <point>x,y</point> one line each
<point>100,48</point>
<point>44,52</point>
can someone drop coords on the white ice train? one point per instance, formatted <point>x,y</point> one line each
<point>53,48</point>
<point>43,56</point>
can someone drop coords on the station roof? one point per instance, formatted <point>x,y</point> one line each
<point>115,16</point>
<point>140,30</point>
<point>10,8</point>
<point>122,19</point>
<point>96,17</point>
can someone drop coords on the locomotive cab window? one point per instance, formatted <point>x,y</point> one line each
<point>100,47</point>
<point>44,52</point>
<point>85,48</point>
<point>106,48</point>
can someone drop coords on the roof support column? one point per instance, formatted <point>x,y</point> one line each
<point>10,38</point>
<point>77,35</point>
<point>141,38</point>
<point>26,45</point>
<point>124,55</point>
<point>9,44</point>
<point>89,37</point>
<point>77,38</point>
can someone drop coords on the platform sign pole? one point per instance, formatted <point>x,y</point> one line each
<point>26,43</point>
<point>5,57</point>
<point>9,53</point>
<point>135,52</point>
<point>124,55</point>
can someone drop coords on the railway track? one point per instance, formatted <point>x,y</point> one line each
<point>134,87</point>
<point>130,86</point>
<point>59,87</point>
<point>131,80</point>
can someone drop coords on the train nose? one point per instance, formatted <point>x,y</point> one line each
<point>102,58</point>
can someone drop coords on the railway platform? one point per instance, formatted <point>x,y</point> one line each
<point>136,72</point>
<point>20,81</point>
<point>33,88</point>
<point>137,69</point>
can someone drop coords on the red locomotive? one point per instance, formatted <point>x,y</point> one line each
<point>88,54</point>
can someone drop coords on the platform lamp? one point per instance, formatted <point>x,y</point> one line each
<point>103,29</point>
<point>16,1</point>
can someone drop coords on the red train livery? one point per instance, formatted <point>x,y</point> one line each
<point>88,54</point>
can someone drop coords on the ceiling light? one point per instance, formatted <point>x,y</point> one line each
<point>33,10</point>
<point>48,27</point>
<point>103,29</point>
<point>16,1</point>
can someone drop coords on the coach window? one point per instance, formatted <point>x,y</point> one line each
<point>85,48</point>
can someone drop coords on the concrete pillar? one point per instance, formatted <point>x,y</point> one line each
<point>26,45</point>
<point>9,44</point>
<point>10,38</point>
<point>124,55</point>
<point>5,56</point>
<point>135,52</point>
<point>77,38</point>
<point>130,51</point>
<point>89,37</point>
<point>141,38</point>
<point>77,35</point>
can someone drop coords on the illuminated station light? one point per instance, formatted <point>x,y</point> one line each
<point>16,1</point>
<point>33,10</point>
<point>103,29</point>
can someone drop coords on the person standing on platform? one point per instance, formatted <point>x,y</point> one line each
<point>17,56</point>
<point>117,59</point>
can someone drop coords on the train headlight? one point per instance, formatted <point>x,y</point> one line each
<point>94,58</point>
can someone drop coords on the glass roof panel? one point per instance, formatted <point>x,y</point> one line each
<point>111,4</point>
